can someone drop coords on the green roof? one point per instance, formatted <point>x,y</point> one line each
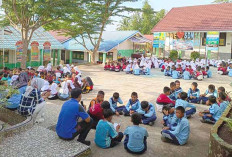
<point>40,35</point>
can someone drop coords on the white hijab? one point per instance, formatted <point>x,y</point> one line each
<point>36,83</point>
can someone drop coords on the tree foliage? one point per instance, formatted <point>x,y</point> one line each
<point>89,21</point>
<point>142,21</point>
<point>222,1</point>
<point>27,16</point>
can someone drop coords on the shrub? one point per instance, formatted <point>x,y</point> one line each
<point>173,55</point>
<point>195,55</point>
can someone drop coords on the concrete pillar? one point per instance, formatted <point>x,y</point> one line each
<point>89,58</point>
<point>58,57</point>
<point>41,56</point>
<point>104,57</point>
<point>70,57</point>
<point>54,57</point>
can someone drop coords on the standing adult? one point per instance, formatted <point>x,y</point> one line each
<point>68,125</point>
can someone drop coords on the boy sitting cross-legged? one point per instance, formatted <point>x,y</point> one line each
<point>184,103</point>
<point>147,110</point>
<point>180,133</point>
<point>136,136</point>
<point>194,93</point>
<point>214,112</point>
<point>132,105</point>
<point>114,100</point>
<point>106,135</point>
<point>169,116</point>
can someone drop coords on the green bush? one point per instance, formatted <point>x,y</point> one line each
<point>195,55</point>
<point>173,55</point>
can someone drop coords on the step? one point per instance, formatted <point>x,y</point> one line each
<point>41,142</point>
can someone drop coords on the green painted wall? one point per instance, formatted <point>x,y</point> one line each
<point>125,53</point>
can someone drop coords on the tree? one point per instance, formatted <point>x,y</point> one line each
<point>27,16</point>
<point>142,21</point>
<point>88,23</point>
<point>222,1</point>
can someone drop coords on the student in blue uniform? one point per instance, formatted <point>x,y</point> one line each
<point>178,88</point>
<point>175,74</point>
<point>187,75</point>
<point>214,112</point>
<point>194,93</point>
<point>173,91</point>
<point>136,137</point>
<point>210,91</point>
<point>132,105</point>
<point>106,135</point>
<point>113,104</point>
<point>184,103</point>
<point>209,72</point>
<point>180,133</point>
<point>168,116</point>
<point>147,110</point>
<point>167,71</point>
<point>222,100</point>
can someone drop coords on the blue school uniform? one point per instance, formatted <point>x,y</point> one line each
<point>113,104</point>
<point>215,111</point>
<point>186,75</point>
<point>223,106</point>
<point>104,132</point>
<point>204,98</point>
<point>230,73</point>
<point>169,119</point>
<point>178,91</point>
<point>175,74</point>
<point>131,106</point>
<point>172,95</point>
<point>167,72</point>
<point>209,73</point>
<point>185,105</point>
<point>135,139</point>
<point>180,133</point>
<point>149,116</point>
<point>195,93</point>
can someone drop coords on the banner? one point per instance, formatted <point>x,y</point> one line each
<point>162,40</point>
<point>212,41</point>
<point>19,51</point>
<point>156,40</point>
<point>197,39</point>
<point>34,51</point>
<point>47,51</point>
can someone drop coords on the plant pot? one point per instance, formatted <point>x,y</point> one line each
<point>217,146</point>
<point>15,123</point>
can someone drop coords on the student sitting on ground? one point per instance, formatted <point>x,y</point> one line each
<point>163,99</point>
<point>98,100</point>
<point>187,75</point>
<point>96,112</point>
<point>194,93</point>
<point>222,89</point>
<point>214,112</point>
<point>175,74</point>
<point>222,100</point>
<point>118,68</point>
<point>209,72</point>
<point>184,103</point>
<point>229,69</point>
<point>179,69</point>
<point>210,91</point>
<point>147,110</point>
<point>113,104</point>
<point>204,73</point>
<point>168,116</point>
<point>178,88</point>
<point>112,67</point>
<point>222,70</point>
<point>5,77</point>
<point>178,135</point>
<point>87,85</point>
<point>132,105</point>
<point>198,74</point>
<point>136,137</point>
<point>173,91</point>
<point>106,135</point>
<point>167,71</point>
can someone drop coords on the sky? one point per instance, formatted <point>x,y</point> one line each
<point>158,5</point>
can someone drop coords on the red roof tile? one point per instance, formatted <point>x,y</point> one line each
<point>58,36</point>
<point>213,17</point>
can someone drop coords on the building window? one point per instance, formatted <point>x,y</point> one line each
<point>6,57</point>
<point>222,41</point>
<point>78,55</point>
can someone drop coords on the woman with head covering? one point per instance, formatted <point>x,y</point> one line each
<point>87,85</point>
<point>32,102</point>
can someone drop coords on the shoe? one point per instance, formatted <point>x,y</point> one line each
<point>84,142</point>
<point>151,123</point>
<point>120,112</point>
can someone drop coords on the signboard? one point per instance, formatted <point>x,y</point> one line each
<point>47,51</point>
<point>156,40</point>
<point>197,39</point>
<point>162,40</point>
<point>19,51</point>
<point>34,51</point>
<point>212,41</point>
<point>181,40</point>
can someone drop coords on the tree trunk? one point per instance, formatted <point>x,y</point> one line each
<point>24,55</point>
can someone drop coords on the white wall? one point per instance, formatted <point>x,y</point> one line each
<point>126,45</point>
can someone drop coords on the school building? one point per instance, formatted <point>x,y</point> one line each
<point>9,56</point>
<point>185,30</point>
<point>114,44</point>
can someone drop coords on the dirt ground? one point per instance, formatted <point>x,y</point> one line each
<point>148,88</point>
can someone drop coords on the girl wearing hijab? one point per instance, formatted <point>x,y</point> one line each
<point>32,102</point>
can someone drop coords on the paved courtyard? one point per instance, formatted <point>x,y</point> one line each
<point>148,88</point>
